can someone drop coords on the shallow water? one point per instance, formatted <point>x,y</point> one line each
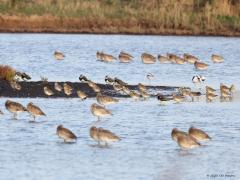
<point>146,151</point>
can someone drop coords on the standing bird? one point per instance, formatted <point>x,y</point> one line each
<point>59,55</point>
<point>186,142</point>
<point>109,80</point>
<point>198,134</point>
<point>48,91</point>
<point>65,134</point>
<point>117,87</point>
<point>126,90</point>
<point>14,107</point>
<point>34,110</point>
<point>105,57</point>
<point>210,90</point>
<point>200,65</point>
<point>1,113</point>
<point>163,59</point>
<point>125,57</point>
<point>82,95</point>
<point>178,98</point>
<point>103,135</point>
<point>83,78</point>
<point>148,58</point>
<point>144,94</point>
<point>67,89</point>
<point>106,100</point>
<point>99,111</point>
<point>134,95</point>
<point>119,81</point>
<point>217,58</point>
<point>190,58</point>
<point>210,96</point>
<point>58,87</point>
<point>141,87</point>
<point>180,60</point>
<point>176,133</point>
<point>94,86</point>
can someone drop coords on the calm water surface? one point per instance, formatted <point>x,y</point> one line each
<point>33,151</point>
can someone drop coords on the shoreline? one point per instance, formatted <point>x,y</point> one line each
<point>123,34</point>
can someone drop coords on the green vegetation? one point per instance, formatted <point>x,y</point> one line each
<point>190,15</point>
<point>7,73</point>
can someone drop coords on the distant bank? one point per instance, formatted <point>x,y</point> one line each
<point>46,24</point>
<point>152,17</point>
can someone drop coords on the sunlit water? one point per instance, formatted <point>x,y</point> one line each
<point>146,151</point>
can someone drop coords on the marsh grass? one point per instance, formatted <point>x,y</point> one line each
<point>193,15</point>
<point>6,73</point>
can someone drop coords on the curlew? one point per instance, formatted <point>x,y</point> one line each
<point>65,134</point>
<point>105,57</point>
<point>34,110</point>
<point>200,65</point>
<point>198,134</point>
<point>210,90</point>
<point>163,59</point>
<point>148,58</point>
<point>14,107</point>
<point>134,95</point>
<point>210,96</point>
<point>176,133</point>
<point>103,135</point>
<point>186,142</point>
<point>217,58</point>
<point>125,57</point>
<point>106,100</point>
<point>190,58</point>
<point>141,87</point>
<point>94,86</point>
<point>99,111</point>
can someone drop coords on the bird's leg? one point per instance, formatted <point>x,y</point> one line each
<point>14,115</point>
<point>34,118</point>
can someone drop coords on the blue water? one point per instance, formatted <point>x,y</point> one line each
<point>146,151</point>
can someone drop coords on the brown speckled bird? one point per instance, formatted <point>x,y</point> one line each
<point>103,135</point>
<point>198,134</point>
<point>34,110</point>
<point>14,107</point>
<point>65,134</point>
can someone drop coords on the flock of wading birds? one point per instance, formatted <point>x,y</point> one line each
<point>184,140</point>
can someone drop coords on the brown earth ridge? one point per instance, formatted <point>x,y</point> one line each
<point>51,24</point>
<point>33,89</point>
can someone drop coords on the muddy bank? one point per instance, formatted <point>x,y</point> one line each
<point>35,89</point>
<point>46,24</point>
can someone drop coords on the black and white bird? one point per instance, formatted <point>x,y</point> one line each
<point>198,79</point>
<point>109,80</point>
